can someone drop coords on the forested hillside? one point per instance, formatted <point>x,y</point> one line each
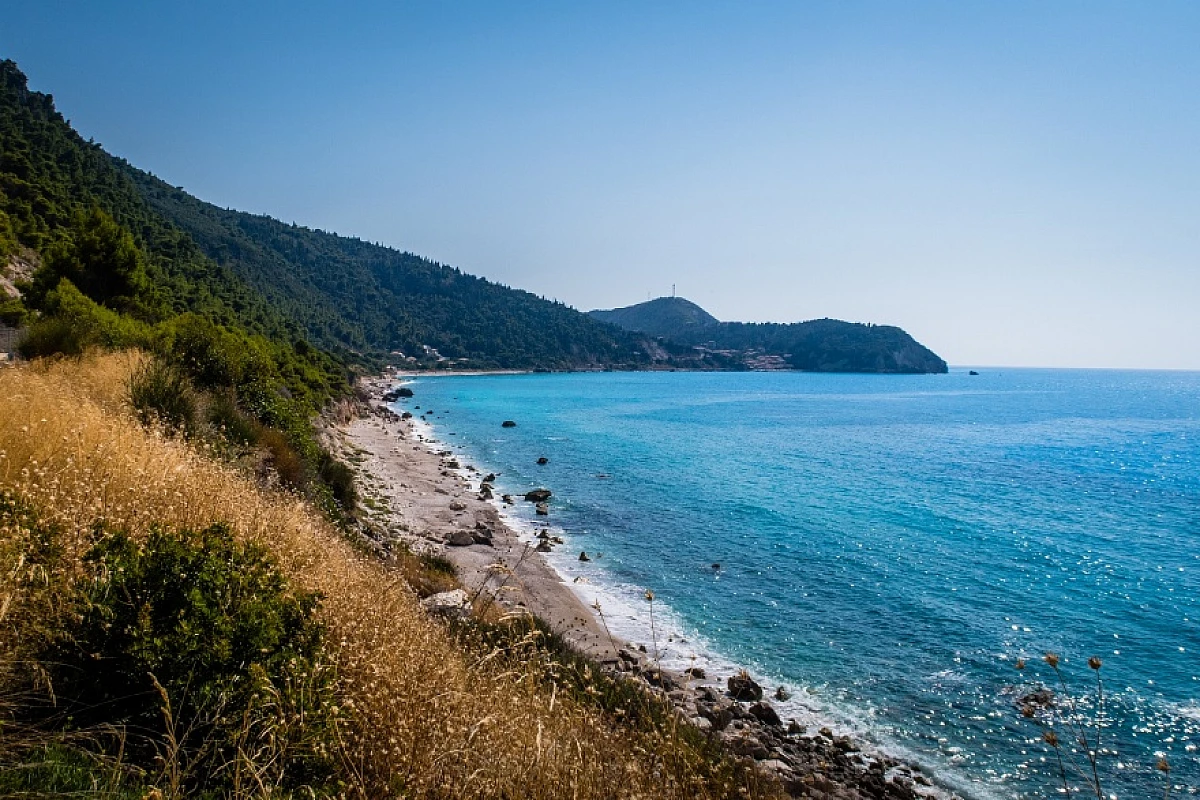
<point>822,345</point>
<point>351,294</point>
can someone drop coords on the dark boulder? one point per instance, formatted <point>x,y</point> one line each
<point>460,539</point>
<point>1038,698</point>
<point>583,556</point>
<point>508,423</point>
<point>742,687</point>
<point>543,461</point>
<point>538,495</point>
<point>542,510</point>
<point>766,715</point>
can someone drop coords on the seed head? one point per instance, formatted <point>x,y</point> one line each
<point>1051,659</point>
<point>1094,662</point>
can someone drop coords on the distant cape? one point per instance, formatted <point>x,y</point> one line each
<point>821,345</point>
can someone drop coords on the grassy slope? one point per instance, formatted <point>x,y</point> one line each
<point>425,714</point>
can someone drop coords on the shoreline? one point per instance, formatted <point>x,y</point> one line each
<point>432,503</point>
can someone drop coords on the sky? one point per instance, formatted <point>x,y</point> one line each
<point>1013,183</point>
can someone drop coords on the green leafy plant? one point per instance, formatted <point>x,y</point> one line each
<point>197,644</point>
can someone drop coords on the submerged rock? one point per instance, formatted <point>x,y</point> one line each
<point>508,423</point>
<point>1038,698</point>
<point>543,461</point>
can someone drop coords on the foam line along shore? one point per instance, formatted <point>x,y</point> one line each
<point>429,497</point>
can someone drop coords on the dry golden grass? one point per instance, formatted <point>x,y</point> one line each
<point>425,718</point>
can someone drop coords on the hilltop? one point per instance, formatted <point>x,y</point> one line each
<point>823,345</point>
<point>670,317</point>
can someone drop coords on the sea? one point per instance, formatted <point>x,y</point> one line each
<point>889,549</point>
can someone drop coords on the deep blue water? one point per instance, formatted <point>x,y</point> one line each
<point>889,545</point>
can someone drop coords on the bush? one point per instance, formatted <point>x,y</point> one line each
<point>286,462</point>
<point>340,480</point>
<point>230,421</point>
<point>72,322</point>
<point>162,394</point>
<point>199,642</point>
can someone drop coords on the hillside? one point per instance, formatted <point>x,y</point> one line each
<point>823,345</point>
<point>353,295</point>
<point>671,317</point>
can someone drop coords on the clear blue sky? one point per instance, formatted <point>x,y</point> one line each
<point>1015,183</point>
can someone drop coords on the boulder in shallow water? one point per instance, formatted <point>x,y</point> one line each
<point>782,694</point>
<point>583,556</point>
<point>508,423</point>
<point>538,495</point>
<point>1038,698</point>
<point>742,687</point>
<point>543,461</point>
<point>542,510</point>
<point>544,546</point>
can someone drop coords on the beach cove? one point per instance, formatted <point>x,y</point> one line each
<point>1021,468</point>
<point>427,498</point>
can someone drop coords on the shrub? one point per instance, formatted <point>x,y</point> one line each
<point>230,421</point>
<point>199,642</point>
<point>286,462</point>
<point>162,394</point>
<point>340,480</point>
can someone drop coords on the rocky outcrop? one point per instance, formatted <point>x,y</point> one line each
<point>454,604</point>
<point>743,687</point>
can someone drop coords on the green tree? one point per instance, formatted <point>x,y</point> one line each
<point>101,259</point>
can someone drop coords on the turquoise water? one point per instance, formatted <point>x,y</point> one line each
<point>888,545</point>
